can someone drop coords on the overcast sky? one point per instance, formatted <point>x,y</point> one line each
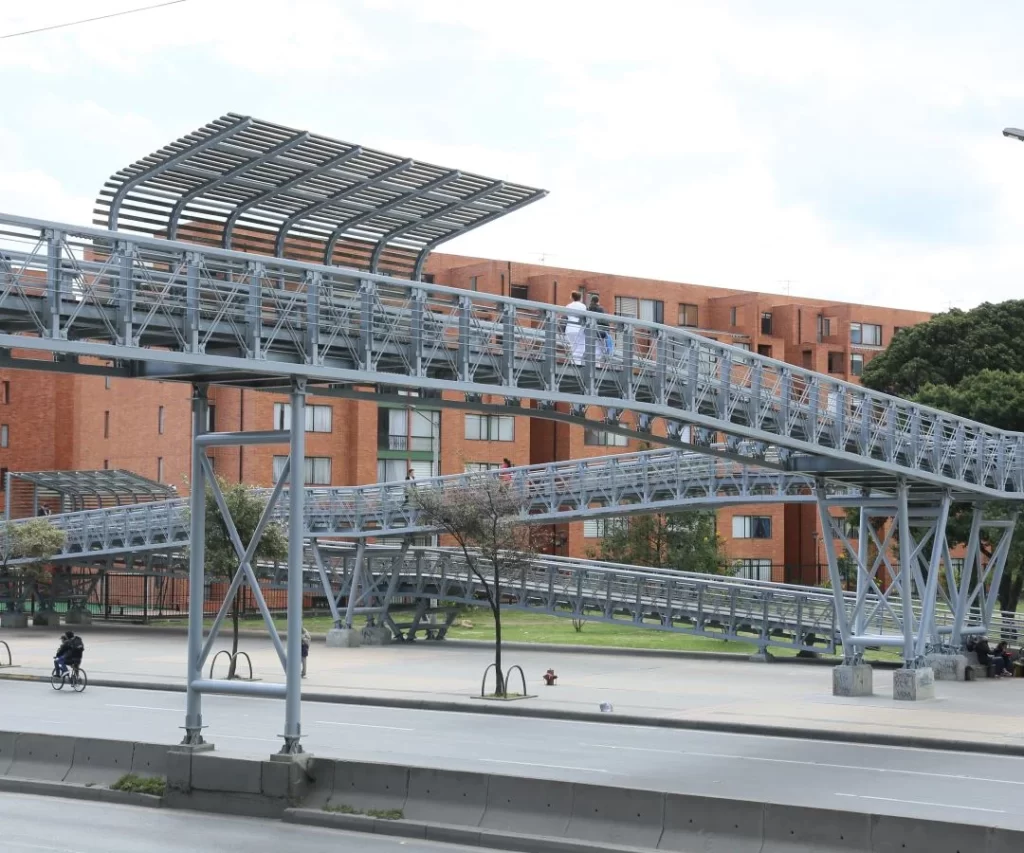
<point>840,150</point>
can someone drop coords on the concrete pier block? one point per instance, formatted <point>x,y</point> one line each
<point>11,619</point>
<point>344,638</point>
<point>78,617</point>
<point>378,635</point>
<point>948,667</point>
<point>46,618</point>
<point>913,685</point>
<point>852,680</point>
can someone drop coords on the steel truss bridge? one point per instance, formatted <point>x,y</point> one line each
<point>130,303</point>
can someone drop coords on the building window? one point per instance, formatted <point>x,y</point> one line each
<point>159,469</point>
<point>766,323</point>
<point>3,479</point>
<point>490,428</point>
<point>474,282</point>
<point>106,383</point>
<point>106,424</point>
<point>835,362</point>
<point>317,470</point>
<point>211,418</point>
<point>687,314</point>
<point>5,392</point>
<point>427,278</point>
<point>765,350</point>
<point>481,467</point>
<point>603,438</point>
<point>598,528</point>
<point>318,418</point>
<point>213,463</point>
<point>519,291</point>
<point>627,306</point>
<point>866,334</point>
<point>106,464</point>
<point>752,527</point>
<point>743,345</point>
<point>652,310</point>
<point>856,364</point>
<point>897,329</point>
<point>160,420</point>
<point>824,327</point>
<point>755,570</point>
<point>5,436</point>
<point>732,316</point>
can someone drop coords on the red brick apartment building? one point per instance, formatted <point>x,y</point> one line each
<point>50,421</point>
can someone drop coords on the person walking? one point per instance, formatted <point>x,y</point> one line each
<point>574,334</point>
<point>307,638</point>
<point>606,343</point>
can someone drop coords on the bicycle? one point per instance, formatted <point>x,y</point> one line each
<point>75,676</point>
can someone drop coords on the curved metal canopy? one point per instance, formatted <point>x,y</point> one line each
<point>246,184</point>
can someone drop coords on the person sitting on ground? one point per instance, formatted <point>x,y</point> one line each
<point>1002,652</point>
<point>70,652</point>
<point>987,658</point>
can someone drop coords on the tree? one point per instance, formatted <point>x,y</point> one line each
<point>969,363</point>
<point>484,517</point>
<point>35,541</point>
<point>686,541</point>
<point>245,506</point>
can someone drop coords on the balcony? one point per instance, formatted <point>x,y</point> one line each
<point>414,443</point>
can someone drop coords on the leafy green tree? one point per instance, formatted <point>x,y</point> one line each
<point>969,363</point>
<point>686,541</point>
<point>34,541</point>
<point>245,506</point>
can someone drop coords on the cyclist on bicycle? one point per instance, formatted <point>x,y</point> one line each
<point>70,652</point>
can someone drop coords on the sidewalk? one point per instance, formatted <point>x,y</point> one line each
<point>792,698</point>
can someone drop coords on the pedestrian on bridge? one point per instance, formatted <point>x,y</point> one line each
<point>606,343</point>
<point>574,335</point>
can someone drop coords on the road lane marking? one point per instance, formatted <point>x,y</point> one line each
<point>808,763</point>
<point>146,708</point>
<point>361,726</point>
<point>548,766</point>
<point>921,803</point>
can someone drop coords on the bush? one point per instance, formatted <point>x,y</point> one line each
<point>152,785</point>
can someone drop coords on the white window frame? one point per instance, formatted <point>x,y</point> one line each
<point>489,427</point>
<point>316,470</point>
<point>319,418</point>
<point>753,568</point>
<point>855,359</point>
<point>745,526</point>
<point>594,437</point>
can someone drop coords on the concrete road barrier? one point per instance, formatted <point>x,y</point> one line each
<point>369,786</point>
<point>531,806</point>
<point>711,825</point>
<point>149,759</point>
<point>100,762</point>
<point>444,796</point>
<point>7,741</point>
<point>617,815</point>
<point>46,757</point>
<point>900,834</point>
<point>212,772</point>
<point>794,829</point>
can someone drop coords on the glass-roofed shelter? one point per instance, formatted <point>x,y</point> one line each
<point>31,493</point>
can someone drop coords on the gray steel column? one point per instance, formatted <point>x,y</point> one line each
<point>196,571</point>
<point>863,568</point>
<point>927,628</point>
<point>906,576</point>
<point>296,529</point>
<point>838,596</point>
<point>357,581</point>
<point>967,576</point>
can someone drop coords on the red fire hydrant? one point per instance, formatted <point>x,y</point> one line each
<point>550,678</point>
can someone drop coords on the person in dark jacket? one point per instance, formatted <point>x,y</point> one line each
<point>70,652</point>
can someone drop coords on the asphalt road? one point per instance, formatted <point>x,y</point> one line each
<point>978,789</point>
<point>45,825</point>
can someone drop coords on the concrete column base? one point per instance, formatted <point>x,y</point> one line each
<point>948,667</point>
<point>10,619</point>
<point>344,638</point>
<point>378,635</point>
<point>49,618</point>
<point>853,680</point>
<point>913,685</point>
<point>78,617</point>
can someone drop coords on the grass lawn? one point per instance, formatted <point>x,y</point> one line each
<point>520,627</point>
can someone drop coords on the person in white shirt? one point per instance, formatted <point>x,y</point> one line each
<point>574,332</point>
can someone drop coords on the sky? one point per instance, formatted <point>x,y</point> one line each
<point>847,151</point>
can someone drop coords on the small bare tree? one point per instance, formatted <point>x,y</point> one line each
<point>484,516</point>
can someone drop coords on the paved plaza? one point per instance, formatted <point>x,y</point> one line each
<point>778,694</point>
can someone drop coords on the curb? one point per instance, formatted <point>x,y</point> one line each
<point>526,712</point>
<point>77,792</point>
<point>549,648</point>
<point>448,833</point>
